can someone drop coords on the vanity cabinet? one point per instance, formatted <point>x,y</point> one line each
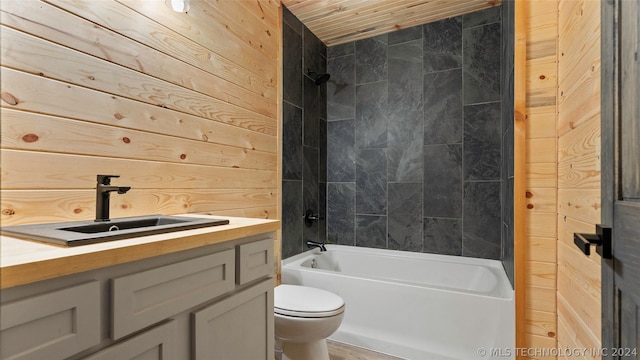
<point>157,343</point>
<point>216,336</point>
<point>213,302</point>
<point>55,324</point>
<point>147,297</point>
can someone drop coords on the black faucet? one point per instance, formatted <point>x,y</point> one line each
<point>103,188</point>
<point>311,244</point>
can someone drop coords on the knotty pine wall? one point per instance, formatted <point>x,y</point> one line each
<point>578,299</point>
<point>562,289</point>
<point>185,107</point>
<point>541,169</point>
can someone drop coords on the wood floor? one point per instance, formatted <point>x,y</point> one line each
<point>340,351</point>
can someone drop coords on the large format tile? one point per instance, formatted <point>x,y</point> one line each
<point>481,64</point>
<point>311,113</point>
<point>322,98</point>
<point>405,87</point>
<point>371,231</point>
<point>507,202</point>
<point>404,153</point>
<point>404,129</point>
<point>315,52</point>
<point>371,181</point>
<point>322,212</point>
<point>507,146</point>
<point>341,156</point>
<point>371,115</point>
<point>341,90</point>
<point>442,181</point>
<point>415,115</point>
<point>443,236</point>
<point>404,35</point>
<point>322,147</point>
<point>310,179</point>
<point>341,205</point>
<point>292,66</point>
<point>507,81</point>
<point>482,17</point>
<point>291,142</point>
<point>292,219</point>
<point>442,44</point>
<point>443,107</point>
<point>405,163</point>
<point>481,236</point>
<point>405,216</point>
<point>507,217</point>
<point>291,20</point>
<point>482,142</point>
<point>508,252</point>
<point>341,50</point>
<point>371,59</point>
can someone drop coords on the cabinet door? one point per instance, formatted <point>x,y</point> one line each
<point>239,327</point>
<point>54,325</point>
<point>155,344</point>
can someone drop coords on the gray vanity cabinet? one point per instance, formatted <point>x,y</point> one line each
<point>214,302</point>
<point>52,325</point>
<point>239,327</point>
<point>158,343</point>
<point>147,297</point>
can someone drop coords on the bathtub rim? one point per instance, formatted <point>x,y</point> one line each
<point>505,292</point>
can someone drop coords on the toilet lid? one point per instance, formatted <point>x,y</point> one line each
<point>304,301</point>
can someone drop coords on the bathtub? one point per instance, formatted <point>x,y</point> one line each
<point>412,305</point>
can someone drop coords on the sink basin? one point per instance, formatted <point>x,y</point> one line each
<point>90,232</point>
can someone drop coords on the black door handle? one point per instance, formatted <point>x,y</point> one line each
<point>601,239</point>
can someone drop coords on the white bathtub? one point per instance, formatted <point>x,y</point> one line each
<point>412,305</point>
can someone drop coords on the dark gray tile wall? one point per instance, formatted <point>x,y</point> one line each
<point>304,136</point>
<point>409,152</point>
<point>341,213</point>
<point>507,51</point>
<point>415,139</point>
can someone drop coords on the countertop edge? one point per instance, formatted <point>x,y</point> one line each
<point>27,272</point>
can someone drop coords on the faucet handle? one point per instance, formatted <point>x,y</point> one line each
<point>310,217</point>
<point>106,179</point>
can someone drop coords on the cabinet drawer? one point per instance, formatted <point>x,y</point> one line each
<point>255,260</point>
<point>158,343</point>
<point>147,297</point>
<point>53,325</point>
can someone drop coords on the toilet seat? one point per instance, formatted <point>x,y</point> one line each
<point>306,302</point>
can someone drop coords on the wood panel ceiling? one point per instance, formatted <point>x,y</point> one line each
<point>341,21</point>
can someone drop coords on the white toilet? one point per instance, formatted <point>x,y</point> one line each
<point>304,318</point>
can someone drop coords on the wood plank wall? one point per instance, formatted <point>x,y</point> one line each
<point>578,299</point>
<point>185,107</point>
<point>541,187</point>
<point>563,175</point>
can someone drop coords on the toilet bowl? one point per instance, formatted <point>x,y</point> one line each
<point>304,318</point>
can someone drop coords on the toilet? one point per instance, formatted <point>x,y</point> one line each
<point>304,318</point>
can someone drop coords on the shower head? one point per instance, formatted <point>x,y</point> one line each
<point>319,79</point>
<point>322,79</point>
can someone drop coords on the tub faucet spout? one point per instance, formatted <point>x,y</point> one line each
<point>311,244</point>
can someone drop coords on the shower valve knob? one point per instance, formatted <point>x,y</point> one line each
<point>310,217</point>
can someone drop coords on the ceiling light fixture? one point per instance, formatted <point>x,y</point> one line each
<point>178,5</point>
